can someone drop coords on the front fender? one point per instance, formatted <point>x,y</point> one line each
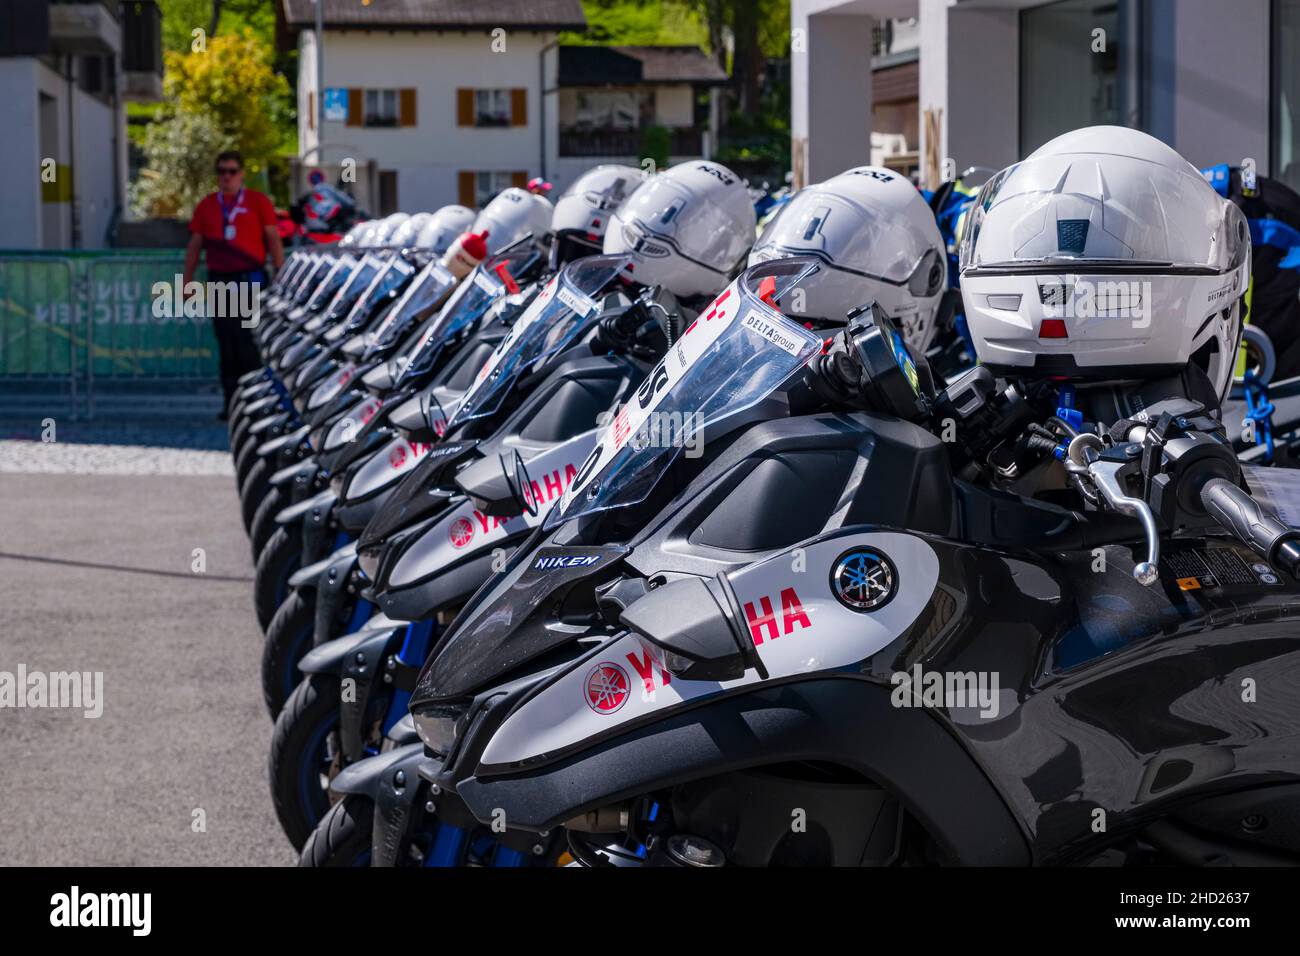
<point>310,575</point>
<point>295,513</point>
<point>392,782</point>
<point>843,720</point>
<point>332,587</point>
<point>305,470</point>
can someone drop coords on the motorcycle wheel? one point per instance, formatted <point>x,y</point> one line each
<point>289,636</point>
<point>304,756</point>
<point>246,456</point>
<point>278,561</point>
<point>264,519</point>
<point>256,485</point>
<point>239,425</point>
<point>343,837</point>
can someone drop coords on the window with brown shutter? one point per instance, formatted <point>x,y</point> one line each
<point>519,179</point>
<point>519,107</point>
<point>464,107</point>
<point>406,114</point>
<point>465,187</point>
<point>356,109</point>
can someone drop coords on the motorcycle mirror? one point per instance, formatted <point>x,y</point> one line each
<point>521,486</point>
<point>686,620</point>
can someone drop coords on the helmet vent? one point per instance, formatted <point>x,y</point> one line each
<point>1071,235</point>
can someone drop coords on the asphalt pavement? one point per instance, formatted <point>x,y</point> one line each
<point>99,573</point>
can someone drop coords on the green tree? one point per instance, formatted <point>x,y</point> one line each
<point>226,96</point>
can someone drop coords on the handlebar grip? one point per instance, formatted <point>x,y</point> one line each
<point>1241,514</point>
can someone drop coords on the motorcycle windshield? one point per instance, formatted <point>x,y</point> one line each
<point>491,282</point>
<point>389,277</point>
<point>333,280</point>
<point>736,353</point>
<point>311,280</point>
<point>562,311</point>
<point>397,317</point>
<point>355,285</point>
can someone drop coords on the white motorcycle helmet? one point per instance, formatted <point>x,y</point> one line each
<point>1105,256</point>
<point>405,234</point>
<point>878,241</point>
<point>583,213</point>
<point>686,229</point>
<point>354,235</point>
<point>513,213</point>
<point>386,227</point>
<point>442,228</point>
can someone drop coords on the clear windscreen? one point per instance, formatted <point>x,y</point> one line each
<point>355,286</point>
<point>1064,211</point>
<point>561,312</point>
<point>489,282</point>
<point>738,352</point>
<point>396,271</point>
<point>332,282</point>
<point>313,278</point>
<point>429,288</point>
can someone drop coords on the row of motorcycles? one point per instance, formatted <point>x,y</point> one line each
<point>617,532</point>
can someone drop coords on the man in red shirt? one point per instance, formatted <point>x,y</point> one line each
<point>236,227</point>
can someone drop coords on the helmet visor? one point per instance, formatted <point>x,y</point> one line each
<point>844,234</point>
<point>661,217</point>
<point>1098,211</point>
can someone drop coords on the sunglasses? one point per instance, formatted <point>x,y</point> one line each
<point>228,170</point>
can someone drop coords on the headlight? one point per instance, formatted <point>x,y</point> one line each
<point>437,727</point>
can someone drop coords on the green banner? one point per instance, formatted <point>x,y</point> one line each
<point>109,314</point>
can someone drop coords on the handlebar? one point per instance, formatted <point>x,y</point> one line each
<point>1241,514</point>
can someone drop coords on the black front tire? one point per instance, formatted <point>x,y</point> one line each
<point>289,636</point>
<point>343,837</point>
<point>277,563</point>
<point>299,751</point>
<point>264,520</point>
<point>256,486</point>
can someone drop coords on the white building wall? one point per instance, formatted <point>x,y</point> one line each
<point>428,157</point>
<point>20,188</point>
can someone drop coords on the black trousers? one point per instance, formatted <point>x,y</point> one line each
<point>235,345</point>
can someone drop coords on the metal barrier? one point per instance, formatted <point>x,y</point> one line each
<point>101,320</point>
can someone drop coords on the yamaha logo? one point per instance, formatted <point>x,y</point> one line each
<point>606,688</point>
<point>863,579</point>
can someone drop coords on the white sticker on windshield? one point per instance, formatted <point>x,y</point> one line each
<point>486,284</point>
<point>754,322</point>
<point>578,303</point>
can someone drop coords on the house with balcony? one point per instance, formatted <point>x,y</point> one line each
<point>66,72</point>
<point>414,105</point>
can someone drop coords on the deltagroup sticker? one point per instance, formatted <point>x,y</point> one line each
<point>770,331</point>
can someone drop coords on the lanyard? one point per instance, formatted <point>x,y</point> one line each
<point>221,198</point>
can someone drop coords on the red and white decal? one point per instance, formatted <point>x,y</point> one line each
<point>793,618</point>
<point>606,688</point>
<point>466,527</point>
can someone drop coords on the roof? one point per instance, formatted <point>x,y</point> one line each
<point>631,65</point>
<point>440,14</point>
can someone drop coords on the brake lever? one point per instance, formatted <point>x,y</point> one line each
<point>1106,479</point>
